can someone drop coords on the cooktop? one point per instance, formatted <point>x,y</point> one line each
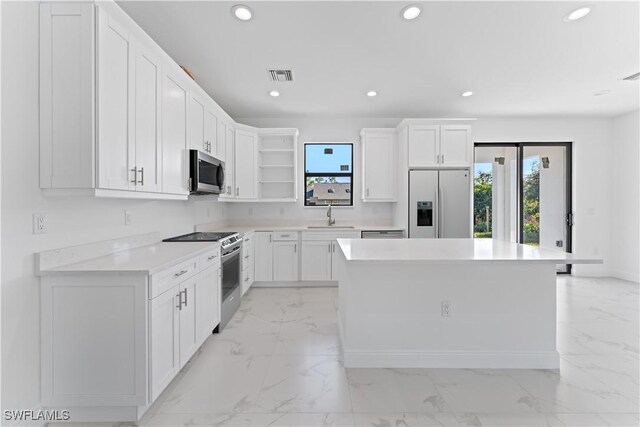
<point>200,237</point>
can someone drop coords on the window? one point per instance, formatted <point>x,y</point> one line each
<point>328,174</point>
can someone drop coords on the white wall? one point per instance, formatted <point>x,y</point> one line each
<point>319,130</point>
<point>625,234</point>
<point>71,221</point>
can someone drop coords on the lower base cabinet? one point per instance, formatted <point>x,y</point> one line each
<point>112,343</point>
<point>285,261</point>
<point>316,260</point>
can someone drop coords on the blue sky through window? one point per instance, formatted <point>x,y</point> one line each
<point>319,162</point>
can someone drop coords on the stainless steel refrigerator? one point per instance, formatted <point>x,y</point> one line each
<point>440,203</point>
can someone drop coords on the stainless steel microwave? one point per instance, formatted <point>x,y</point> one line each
<point>206,173</point>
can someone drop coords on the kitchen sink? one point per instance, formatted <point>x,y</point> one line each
<point>337,227</point>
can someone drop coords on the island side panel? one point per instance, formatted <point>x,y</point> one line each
<point>503,315</point>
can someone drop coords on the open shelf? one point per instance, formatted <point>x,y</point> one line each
<point>277,165</point>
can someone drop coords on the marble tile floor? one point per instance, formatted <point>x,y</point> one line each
<point>277,364</point>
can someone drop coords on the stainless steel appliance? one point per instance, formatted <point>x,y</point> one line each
<point>440,203</point>
<point>230,251</point>
<point>206,173</point>
<point>382,234</point>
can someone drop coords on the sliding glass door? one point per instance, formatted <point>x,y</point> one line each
<point>522,193</point>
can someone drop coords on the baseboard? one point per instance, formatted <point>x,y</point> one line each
<point>452,359</point>
<point>296,284</point>
<point>626,275</point>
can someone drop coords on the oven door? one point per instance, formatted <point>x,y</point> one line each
<point>206,173</point>
<point>230,273</point>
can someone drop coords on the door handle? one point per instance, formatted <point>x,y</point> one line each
<point>179,306</point>
<point>135,174</point>
<point>185,297</point>
<point>141,182</point>
<point>441,214</point>
<point>333,245</point>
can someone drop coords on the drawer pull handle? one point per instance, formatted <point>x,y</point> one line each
<point>212,257</point>
<point>246,257</point>
<point>180,273</point>
<point>246,279</point>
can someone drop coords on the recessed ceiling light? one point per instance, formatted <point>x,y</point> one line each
<point>602,92</point>
<point>467,93</point>
<point>372,93</point>
<point>576,14</point>
<point>242,12</point>
<point>274,93</point>
<point>411,12</point>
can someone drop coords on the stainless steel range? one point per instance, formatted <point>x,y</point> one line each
<point>230,250</point>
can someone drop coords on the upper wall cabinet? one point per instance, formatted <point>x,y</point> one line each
<point>245,164</point>
<point>117,115</point>
<point>439,145</point>
<point>378,165</point>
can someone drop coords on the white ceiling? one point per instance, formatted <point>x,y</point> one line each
<point>518,58</point>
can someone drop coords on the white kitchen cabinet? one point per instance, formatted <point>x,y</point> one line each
<point>247,262</point>
<point>316,260</point>
<point>174,132</point>
<point>164,333</point>
<point>196,122</point>
<point>187,314</point>
<point>245,164</point>
<point>285,261</point>
<point>146,165</point>
<point>456,146</point>
<point>208,299</point>
<point>424,146</point>
<point>115,75</point>
<point>210,131</point>
<point>229,164</point>
<point>378,165</point>
<point>440,145</point>
<point>263,256</point>
<point>334,255</point>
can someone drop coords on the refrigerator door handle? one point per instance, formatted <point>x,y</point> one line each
<point>436,211</point>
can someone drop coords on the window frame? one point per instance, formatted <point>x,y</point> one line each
<point>327,175</point>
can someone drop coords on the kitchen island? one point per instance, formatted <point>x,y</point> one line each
<point>448,303</point>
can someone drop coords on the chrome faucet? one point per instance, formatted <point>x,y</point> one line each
<point>331,220</point>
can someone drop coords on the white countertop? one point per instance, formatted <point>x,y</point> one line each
<point>248,228</point>
<point>452,251</point>
<point>144,260</point>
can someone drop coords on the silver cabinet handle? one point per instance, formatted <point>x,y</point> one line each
<point>285,235</point>
<point>295,247</point>
<point>247,257</point>
<point>180,273</point>
<point>441,215</point>
<point>437,158</point>
<point>212,257</point>
<point>186,294</point>
<point>333,245</point>
<point>246,279</point>
<point>237,191</point>
<point>270,237</point>
<point>141,182</point>
<point>329,247</point>
<point>135,174</point>
<point>179,306</point>
<point>367,192</point>
<point>443,158</point>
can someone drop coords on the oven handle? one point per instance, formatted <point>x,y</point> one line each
<point>231,254</point>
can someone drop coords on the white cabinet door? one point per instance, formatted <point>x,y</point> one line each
<point>221,145</point>
<point>196,123</point>
<point>316,260</point>
<point>174,134</point>
<point>188,337</point>
<point>334,254</point>
<point>455,145</point>
<point>424,143</point>
<point>379,166</point>
<point>207,303</point>
<point>229,164</point>
<point>210,132</point>
<point>245,161</point>
<point>285,261</point>
<point>164,343</point>
<point>263,256</point>
<point>147,121</point>
<point>115,100</point>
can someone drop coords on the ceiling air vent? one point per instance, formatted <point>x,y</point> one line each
<point>632,77</point>
<point>281,75</point>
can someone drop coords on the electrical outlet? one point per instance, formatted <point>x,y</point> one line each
<point>446,308</point>
<point>128,218</point>
<point>39,223</point>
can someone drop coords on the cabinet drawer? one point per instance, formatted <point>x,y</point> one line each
<point>329,235</point>
<point>285,235</point>
<point>210,259</point>
<point>166,279</point>
<point>247,277</point>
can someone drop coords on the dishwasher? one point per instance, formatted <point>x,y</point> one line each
<point>382,234</point>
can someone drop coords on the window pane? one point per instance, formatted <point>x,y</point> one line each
<point>334,190</point>
<point>328,158</point>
